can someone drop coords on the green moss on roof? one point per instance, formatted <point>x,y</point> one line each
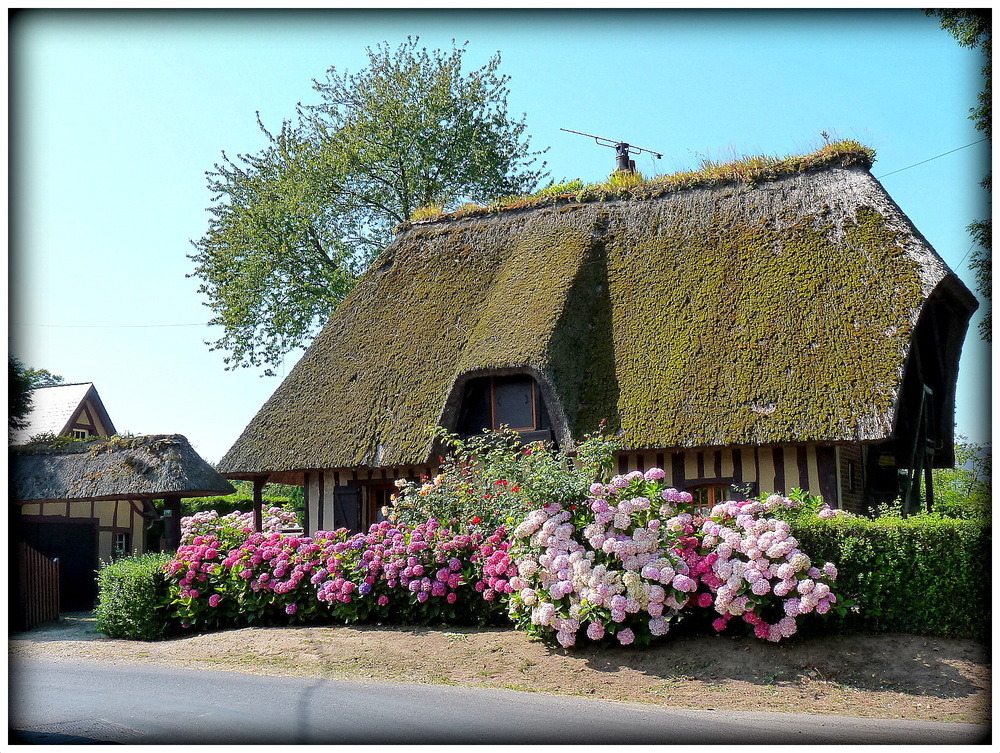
<point>721,315</point>
<point>784,335</point>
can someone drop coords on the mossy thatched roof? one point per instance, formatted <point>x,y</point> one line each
<point>143,467</point>
<point>727,313</point>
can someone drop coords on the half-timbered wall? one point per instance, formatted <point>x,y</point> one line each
<point>834,472</point>
<point>321,493</point>
<point>752,470</point>
<point>109,517</point>
<point>87,418</point>
<point>850,467</point>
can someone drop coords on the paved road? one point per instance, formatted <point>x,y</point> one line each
<point>56,701</point>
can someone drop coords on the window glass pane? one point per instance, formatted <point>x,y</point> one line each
<point>700,496</point>
<point>476,415</point>
<point>512,403</point>
<point>121,544</point>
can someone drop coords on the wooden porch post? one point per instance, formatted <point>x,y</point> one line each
<point>929,484</point>
<point>171,522</point>
<point>258,502</point>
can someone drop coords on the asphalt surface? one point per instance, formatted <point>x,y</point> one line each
<point>66,702</point>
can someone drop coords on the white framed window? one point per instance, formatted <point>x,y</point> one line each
<point>80,434</point>
<point>122,544</point>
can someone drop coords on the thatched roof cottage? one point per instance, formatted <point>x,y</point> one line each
<point>770,325</point>
<point>140,468</point>
<point>84,502</point>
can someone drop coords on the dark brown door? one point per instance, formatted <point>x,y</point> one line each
<point>75,545</point>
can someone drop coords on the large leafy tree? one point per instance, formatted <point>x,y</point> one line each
<point>293,226</point>
<point>973,28</point>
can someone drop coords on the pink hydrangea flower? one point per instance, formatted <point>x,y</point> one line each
<point>566,639</point>
<point>625,637</point>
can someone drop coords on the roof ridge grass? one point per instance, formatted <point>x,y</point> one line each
<point>47,444</point>
<point>748,170</point>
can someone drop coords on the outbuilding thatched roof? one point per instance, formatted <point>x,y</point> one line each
<point>770,309</point>
<point>143,467</point>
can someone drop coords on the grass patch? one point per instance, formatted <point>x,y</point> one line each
<point>519,687</point>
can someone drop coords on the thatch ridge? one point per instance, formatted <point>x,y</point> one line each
<point>737,314</point>
<point>139,467</point>
<point>746,171</point>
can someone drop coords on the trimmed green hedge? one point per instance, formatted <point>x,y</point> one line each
<point>917,575</point>
<point>131,597</point>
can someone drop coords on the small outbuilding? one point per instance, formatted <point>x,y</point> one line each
<point>749,328</point>
<point>89,501</point>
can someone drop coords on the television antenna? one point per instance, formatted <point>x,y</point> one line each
<point>622,148</point>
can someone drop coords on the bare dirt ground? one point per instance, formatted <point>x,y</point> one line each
<point>886,676</point>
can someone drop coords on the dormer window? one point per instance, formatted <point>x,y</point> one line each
<point>494,401</point>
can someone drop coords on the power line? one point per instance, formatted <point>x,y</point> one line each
<point>112,326</point>
<point>931,158</point>
<point>966,254</point>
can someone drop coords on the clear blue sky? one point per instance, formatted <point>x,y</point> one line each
<point>117,115</point>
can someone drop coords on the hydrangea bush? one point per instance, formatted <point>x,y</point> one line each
<point>234,527</point>
<point>636,557</point>
<point>752,568</point>
<point>419,575</point>
<point>608,568</point>
<point>526,533</point>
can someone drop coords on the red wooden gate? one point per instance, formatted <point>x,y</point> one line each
<point>39,586</point>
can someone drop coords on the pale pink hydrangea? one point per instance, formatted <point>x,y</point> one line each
<point>566,640</point>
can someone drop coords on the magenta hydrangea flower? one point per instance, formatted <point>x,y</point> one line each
<point>291,608</point>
